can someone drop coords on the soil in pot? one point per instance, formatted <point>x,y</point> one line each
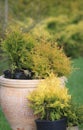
<point>19,74</point>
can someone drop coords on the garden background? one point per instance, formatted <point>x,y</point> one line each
<point>55,20</point>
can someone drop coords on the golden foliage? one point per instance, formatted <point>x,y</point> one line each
<point>47,58</point>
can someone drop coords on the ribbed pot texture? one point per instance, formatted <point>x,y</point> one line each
<point>14,102</point>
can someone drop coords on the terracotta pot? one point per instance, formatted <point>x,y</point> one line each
<point>14,102</point>
<point>73,128</point>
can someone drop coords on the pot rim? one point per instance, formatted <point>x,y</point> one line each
<point>5,82</point>
<point>62,119</point>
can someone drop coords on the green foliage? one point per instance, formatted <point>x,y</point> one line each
<point>50,99</point>
<point>40,9</point>
<point>26,52</point>
<point>65,13</point>
<point>40,33</point>
<point>71,38</point>
<point>56,24</point>
<point>17,47</point>
<point>47,58</point>
<point>74,114</point>
<point>3,65</point>
<point>64,30</point>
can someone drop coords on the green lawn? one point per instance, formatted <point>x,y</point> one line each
<point>3,122</point>
<point>75,85</point>
<point>75,81</point>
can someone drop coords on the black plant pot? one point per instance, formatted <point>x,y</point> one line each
<point>51,125</point>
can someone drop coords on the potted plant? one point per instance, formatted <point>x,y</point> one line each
<point>29,62</point>
<point>49,102</point>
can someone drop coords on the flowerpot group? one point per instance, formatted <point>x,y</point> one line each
<point>15,107</point>
<point>14,103</point>
<point>23,99</point>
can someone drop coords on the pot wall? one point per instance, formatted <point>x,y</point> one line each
<point>51,125</point>
<point>14,103</point>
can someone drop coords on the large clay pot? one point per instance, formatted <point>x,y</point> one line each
<point>73,128</point>
<point>14,102</point>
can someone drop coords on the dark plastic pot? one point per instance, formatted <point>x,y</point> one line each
<point>51,125</point>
